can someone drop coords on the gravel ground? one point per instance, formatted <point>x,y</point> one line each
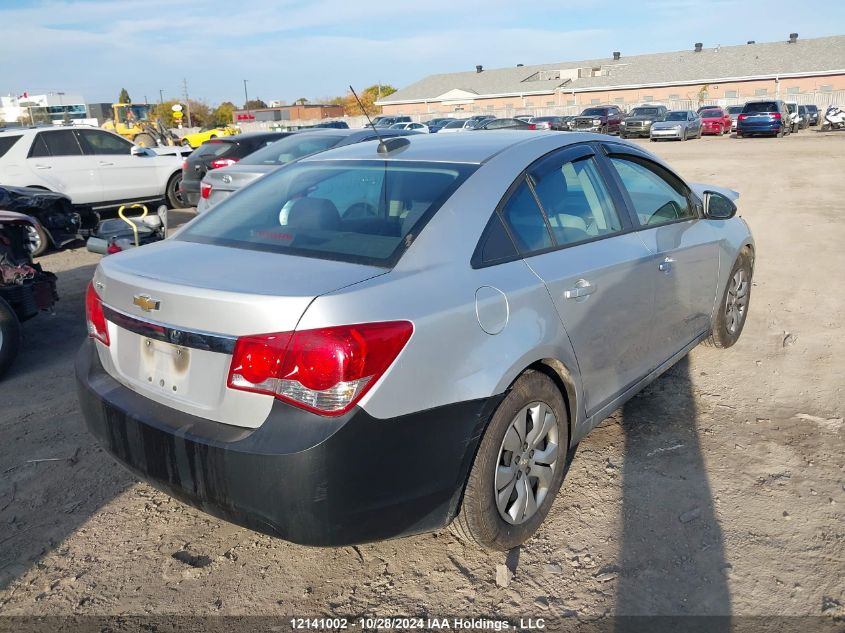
<point>719,490</point>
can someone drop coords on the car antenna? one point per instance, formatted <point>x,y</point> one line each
<point>385,146</point>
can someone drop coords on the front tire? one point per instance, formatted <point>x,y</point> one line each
<point>175,199</point>
<point>519,467</point>
<point>732,311</point>
<point>10,336</point>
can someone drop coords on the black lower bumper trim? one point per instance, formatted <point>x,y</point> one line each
<point>299,476</point>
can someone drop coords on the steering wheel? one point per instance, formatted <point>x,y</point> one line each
<point>360,210</point>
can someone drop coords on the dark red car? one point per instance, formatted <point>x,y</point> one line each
<point>714,120</point>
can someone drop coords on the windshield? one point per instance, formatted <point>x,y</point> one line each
<point>791,107</point>
<point>644,112</point>
<point>677,116</point>
<point>290,148</point>
<point>133,113</point>
<point>594,112</point>
<point>363,211</point>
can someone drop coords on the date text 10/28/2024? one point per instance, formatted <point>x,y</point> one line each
<point>421,623</point>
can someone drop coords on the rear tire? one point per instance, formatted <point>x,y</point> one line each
<point>144,140</point>
<point>175,199</point>
<point>10,336</point>
<point>481,517</point>
<point>732,311</point>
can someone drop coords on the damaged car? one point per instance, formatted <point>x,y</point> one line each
<point>56,222</point>
<point>25,289</point>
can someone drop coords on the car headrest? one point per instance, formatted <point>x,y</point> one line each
<point>314,213</point>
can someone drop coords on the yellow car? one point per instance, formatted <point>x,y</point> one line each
<point>198,138</point>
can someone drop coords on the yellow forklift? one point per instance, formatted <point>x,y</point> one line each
<point>132,121</point>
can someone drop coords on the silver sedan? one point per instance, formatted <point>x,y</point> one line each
<point>379,340</point>
<point>678,124</point>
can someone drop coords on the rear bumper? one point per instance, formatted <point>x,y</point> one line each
<point>712,128</point>
<point>300,477</point>
<point>191,191</point>
<point>758,128</point>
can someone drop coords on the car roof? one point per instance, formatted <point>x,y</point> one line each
<point>450,148</point>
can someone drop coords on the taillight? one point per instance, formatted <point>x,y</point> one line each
<point>325,371</point>
<point>205,190</point>
<point>742,117</point>
<point>217,163</point>
<point>776,116</point>
<point>532,126</point>
<point>185,165</point>
<point>94,317</point>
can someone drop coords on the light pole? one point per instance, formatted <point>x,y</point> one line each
<point>246,100</point>
<point>161,96</point>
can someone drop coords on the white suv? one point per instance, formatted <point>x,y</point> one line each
<point>89,165</point>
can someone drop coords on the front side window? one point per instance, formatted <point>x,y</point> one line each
<point>656,200</point>
<point>525,221</point>
<point>575,199</point>
<point>358,211</point>
<point>95,142</point>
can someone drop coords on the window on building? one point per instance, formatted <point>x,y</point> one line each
<point>550,103</point>
<point>761,92</point>
<point>731,94</point>
<point>648,97</point>
<point>528,104</point>
<point>674,97</point>
<point>595,101</point>
<point>793,90</point>
<point>619,100</point>
<point>826,88</point>
<point>570,102</point>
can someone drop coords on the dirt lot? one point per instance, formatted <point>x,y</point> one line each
<point>719,490</point>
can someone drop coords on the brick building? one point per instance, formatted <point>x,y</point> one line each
<point>289,113</point>
<point>806,70</point>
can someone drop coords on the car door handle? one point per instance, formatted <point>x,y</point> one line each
<point>666,265</point>
<point>105,163</point>
<point>37,166</point>
<point>583,288</point>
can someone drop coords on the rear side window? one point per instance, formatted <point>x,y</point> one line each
<point>525,221</point>
<point>6,143</point>
<point>495,244</point>
<point>365,212</point>
<point>290,148</point>
<point>576,201</point>
<point>656,199</point>
<point>58,143</point>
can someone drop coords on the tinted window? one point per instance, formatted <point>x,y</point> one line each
<point>496,244</point>
<point>761,106</point>
<point>455,124</point>
<point>212,148</point>
<point>711,114</point>
<point>575,200</point>
<point>676,116</point>
<point>644,112</point>
<point>6,143</point>
<point>59,143</point>
<point>525,221</point>
<point>655,200</point>
<point>594,112</point>
<point>290,148</point>
<point>95,142</point>
<point>357,211</point>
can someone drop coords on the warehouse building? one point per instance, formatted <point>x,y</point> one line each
<point>289,113</point>
<point>803,70</point>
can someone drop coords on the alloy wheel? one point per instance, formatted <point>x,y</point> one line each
<point>736,302</point>
<point>528,458</point>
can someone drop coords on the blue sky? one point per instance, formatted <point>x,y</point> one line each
<point>316,48</point>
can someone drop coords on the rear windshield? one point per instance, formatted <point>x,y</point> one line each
<point>712,113</point>
<point>813,108</point>
<point>680,115</point>
<point>734,109</point>
<point>364,212</point>
<point>213,148</point>
<point>456,124</point>
<point>644,112</point>
<point>290,148</point>
<point>761,106</point>
<point>6,143</point>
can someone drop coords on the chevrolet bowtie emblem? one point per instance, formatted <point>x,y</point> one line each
<point>146,303</point>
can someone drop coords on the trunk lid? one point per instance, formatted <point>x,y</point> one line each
<point>177,307</point>
<point>236,176</point>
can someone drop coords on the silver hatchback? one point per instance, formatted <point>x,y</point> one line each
<point>381,339</point>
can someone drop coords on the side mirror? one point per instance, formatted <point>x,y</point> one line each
<point>718,206</point>
<point>137,150</point>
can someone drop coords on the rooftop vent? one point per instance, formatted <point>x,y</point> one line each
<point>479,68</point>
<point>698,46</point>
<point>616,55</point>
<point>793,37</point>
<point>751,42</point>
